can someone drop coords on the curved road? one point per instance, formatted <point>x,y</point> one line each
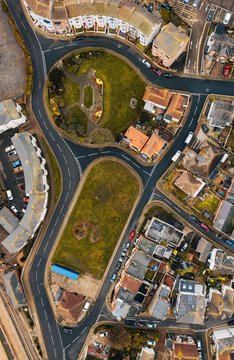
<point>73,159</point>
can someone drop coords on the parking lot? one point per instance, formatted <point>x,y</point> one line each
<point>12,178</point>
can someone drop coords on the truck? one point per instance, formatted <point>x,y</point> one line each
<point>16,163</point>
<point>189,138</point>
<point>176,156</point>
<point>227,18</point>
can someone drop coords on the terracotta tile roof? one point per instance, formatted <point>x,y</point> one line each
<point>130,283</point>
<point>185,351</point>
<point>175,108</point>
<point>96,353</point>
<point>189,184</point>
<point>136,137</point>
<point>70,305</point>
<point>153,146</point>
<point>157,96</point>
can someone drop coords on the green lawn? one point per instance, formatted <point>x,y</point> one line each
<point>121,83</point>
<point>210,203</point>
<point>88,97</point>
<point>105,201</point>
<point>57,183</point>
<point>71,92</point>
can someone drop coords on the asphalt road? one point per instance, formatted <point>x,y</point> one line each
<point>73,159</point>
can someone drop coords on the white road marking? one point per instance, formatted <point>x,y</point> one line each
<point>69,172</point>
<point>39,112</point>
<point>125,157</point>
<point>49,327</point>
<point>191,122</point>
<point>146,172</point>
<point>66,197</point>
<point>105,152</point>
<point>51,233</point>
<point>52,339</point>
<point>55,354</point>
<point>75,339</point>
<point>65,159</point>
<point>201,5</point>
<point>167,201</point>
<point>42,302</point>
<point>51,136</point>
<point>36,275</point>
<point>92,154</point>
<point>59,47</point>
<point>136,165</point>
<point>46,315</point>
<point>39,263</point>
<point>38,290</point>
<point>191,44</point>
<point>45,125</point>
<point>176,208</point>
<point>56,221</point>
<point>195,110</point>
<point>62,208</point>
<point>59,148</point>
<point>47,243</point>
<point>82,332</point>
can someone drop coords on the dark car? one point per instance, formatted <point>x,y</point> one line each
<point>195,219</point>
<point>210,15</point>
<point>166,6</point>
<point>205,128</point>
<point>167,75</point>
<point>204,226</point>
<point>151,7</point>
<point>79,38</point>
<point>67,331</point>
<point>130,322</point>
<point>231,322</point>
<point>118,266</point>
<point>156,71</point>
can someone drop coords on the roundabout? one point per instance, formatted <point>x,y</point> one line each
<point>73,159</point>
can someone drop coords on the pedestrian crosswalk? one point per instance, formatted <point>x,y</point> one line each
<point>44,65</point>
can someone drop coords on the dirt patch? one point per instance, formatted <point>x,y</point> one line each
<point>12,62</point>
<point>84,229</point>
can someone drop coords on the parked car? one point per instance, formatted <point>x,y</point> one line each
<point>151,342</point>
<point>151,325</point>
<point>199,344</point>
<point>9,148</point>
<point>156,71</point>
<point>121,259</point>
<point>17,169</point>
<point>9,195</point>
<point>131,236</point>
<point>184,247</point>
<point>67,331</point>
<point>26,199</point>
<point>16,163</point>
<point>210,15</point>
<point>118,266</point>
<point>168,75</point>
<point>226,70</point>
<point>14,209</point>
<point>205,128</point>
<point>127,246</point>
<point>12,153</point>
<point>79,38</point>
<point>130,322</point>
<point>103,334</point>
<point>97,344</point>
<point>166,6</point>
<point>114,276</point>
<point>146,63</point>
<point>86,306</point>
<point>204,226</point>
<point>195,219</point>
<point>231,322</point>
<point>151,7</point>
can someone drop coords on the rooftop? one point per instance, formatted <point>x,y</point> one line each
<point>153,146</point>
<point>160,303</point>
<point>224,216</point>
<point>158,230</point>
<point>157,96</point>
<point>136,138</point>
<point>221,113</point>
<point>221,262</point>
<point>189,184</point>
<point>8,221</point>
<point>8,111</point>
<point>185,351</point>
<point>170,39</point>
<point>70,305</point>
<point>129,283</point>
<point>175,108</point>
<point>147,246</point>
<point>14,288</point>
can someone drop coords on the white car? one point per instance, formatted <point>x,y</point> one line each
<point>151,342</point>
<point>13,208</point>
<point>103,334</point>
<point>9,148</point>
<point>12,153</point>
<point>146,63</point>
<point>86,306</point>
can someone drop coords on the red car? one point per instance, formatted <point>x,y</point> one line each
<point>226,70</point>
<point>25,200</point>
<point>156,71</point>
<point>204,226</point>
<point>131,236</point>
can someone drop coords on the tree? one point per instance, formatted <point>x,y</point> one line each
<point>120,337</point>
<point>101,136</point>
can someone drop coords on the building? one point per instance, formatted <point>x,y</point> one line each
<point>191,303</point>
<point>36,187</point>
<point>220,304</point>
<point>156,98</point>
<point>221,263</point>
<point>230,193</point>
<point>7,220</point>
<point>120,308</point>
<point>130,283</point>
<point>153,147</point>
<point>10,115</point>
<point>96,353</point>
<point>61,270</point>
<point>221,113</point>
<point>184,349</point>
<point>146,354</point>
<point>176,108</point>
<point>220,45</point>
<point>203,249</point>
<point>157,230</point>
<point>224,340</point>
<point>224,217</point>
<point>204,161</point>
<point>160,303</point>
<point>189,184</point>
<point>135,139</point>
<point>70,306</point>
<point>169,44</point>
<point>14,289</point>
<point>121,18</point>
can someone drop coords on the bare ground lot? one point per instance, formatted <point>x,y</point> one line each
<point>12,61</point>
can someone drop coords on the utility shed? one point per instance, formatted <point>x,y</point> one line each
<point>71,274</point>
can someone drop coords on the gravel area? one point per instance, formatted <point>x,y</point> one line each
<point>12,62</point>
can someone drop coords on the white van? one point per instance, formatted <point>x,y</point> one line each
<point>9,195</point>
<point>146,63</point>
<point>227,18</point>
<point>189,138</point>
<point>176,156</point>
<point>86,306</point>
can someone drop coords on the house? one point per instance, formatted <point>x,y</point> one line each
<point>120,308</point>
<point>153,147</point>
<point>96,353</point>
<point>220,304</point>
<point>203,161</point>
<point>189,184</point>
<point>70,306</point>
<point>191,303</point>
<point>230,193</point>
<point>14,289</point>
<point>156,97</point>
<point>184,349</point>
<point>158,230</point>
<point>11,115</point>
<point>221,263</point>
<point>160,303</point>
<point>175,108</point>
<point>123,19</point>
<point>221,113</point>
<point>7,220</point>
<point>220,45</point>
<point>146,354</point>
<point>169,44</point>
<point>224,217</point>
<point>224,340</point>
<point>203,249</point>
<point>135,139</point>
<point>129,283</point>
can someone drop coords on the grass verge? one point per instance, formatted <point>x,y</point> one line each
<point>88,97</point>
<point>57,180</point>
<point>105,202</point>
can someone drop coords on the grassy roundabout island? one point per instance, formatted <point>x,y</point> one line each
<point>89,95</point>
<point>98,218</point>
